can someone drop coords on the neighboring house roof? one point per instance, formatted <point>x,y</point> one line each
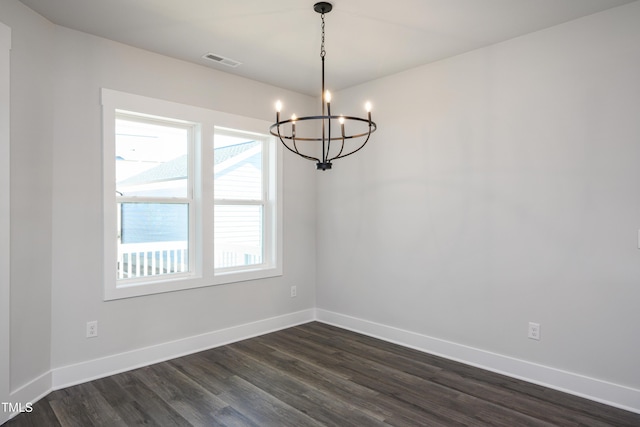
<point>169,171</point>
<point>225,153</point>
<point>177,168</point>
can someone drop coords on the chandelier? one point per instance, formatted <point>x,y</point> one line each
<point>333,144</point>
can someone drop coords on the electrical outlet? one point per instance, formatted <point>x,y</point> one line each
<point>92,329</point>
<point>294,292</point>
<point>534,331</point>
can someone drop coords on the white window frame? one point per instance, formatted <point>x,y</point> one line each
<point>201,240</point>
<point>193,189</point>
<point>268,202</point>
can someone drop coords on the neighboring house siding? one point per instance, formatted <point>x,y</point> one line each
<point>235,224</point>
<point>241,180</point>
<point>150,222</point>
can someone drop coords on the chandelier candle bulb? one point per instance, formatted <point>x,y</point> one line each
<point>278,108</point>
<point>344,145</point>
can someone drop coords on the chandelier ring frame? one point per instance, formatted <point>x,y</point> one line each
<point>275,128</point>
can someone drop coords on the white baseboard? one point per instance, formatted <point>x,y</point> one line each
<point>98,368</point>
<point>590,388</point>
<point>31,392</point>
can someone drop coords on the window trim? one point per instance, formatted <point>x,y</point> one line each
<point>206,120</point>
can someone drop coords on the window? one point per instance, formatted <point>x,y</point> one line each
<point>190,197</point>
<point>154,196</point>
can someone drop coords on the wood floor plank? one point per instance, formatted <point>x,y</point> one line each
<point>125,404</point>
<point>144,397</point>
<point>96,411</point>
<point>369,401</point>
<point>440,403</point>
<point>531,406</point>
<point>214,372</point>
<point>41,415</point>
<point>262,408</point>
<point>540,409</point>
<point>315,375</point>
<point>301,395</point>
<point>194,403</point>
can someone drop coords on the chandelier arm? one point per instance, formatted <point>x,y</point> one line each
<point>350,153</point>
<point>341,149</point>
<point>293,136</point>
<point>295,146</point>
<point>323,135</point>
<point>356,150</point>
<point>341,120</point>
<point>291,149</point>
<point>299,153</point>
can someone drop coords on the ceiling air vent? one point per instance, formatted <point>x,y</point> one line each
<point>221,60</point>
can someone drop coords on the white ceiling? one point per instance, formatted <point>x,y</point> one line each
<point>278,41</point>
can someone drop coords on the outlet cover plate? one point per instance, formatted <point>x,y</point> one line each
<point>92,329</point>
<point>534,331</point>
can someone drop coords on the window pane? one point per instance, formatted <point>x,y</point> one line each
<point>154,239</point>
<point>238,166</point>
<point>151,159</point>
<point>238,235</point>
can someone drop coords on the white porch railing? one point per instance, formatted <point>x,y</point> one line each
<point>235,255</point>
<point>156,258</point>
<point>151,259</point>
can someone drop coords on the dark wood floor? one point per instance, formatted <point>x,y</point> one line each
<point>314,375</point>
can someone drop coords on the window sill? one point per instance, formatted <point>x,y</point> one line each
<point>222,278</point>
<point>183,282</point>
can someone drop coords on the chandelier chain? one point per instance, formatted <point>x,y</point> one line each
<point>323,52</point>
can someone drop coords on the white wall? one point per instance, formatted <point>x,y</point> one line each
<point>503,187</point>
<point>31,191</point>
<point>84,64</point>
<point>56,221</point>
